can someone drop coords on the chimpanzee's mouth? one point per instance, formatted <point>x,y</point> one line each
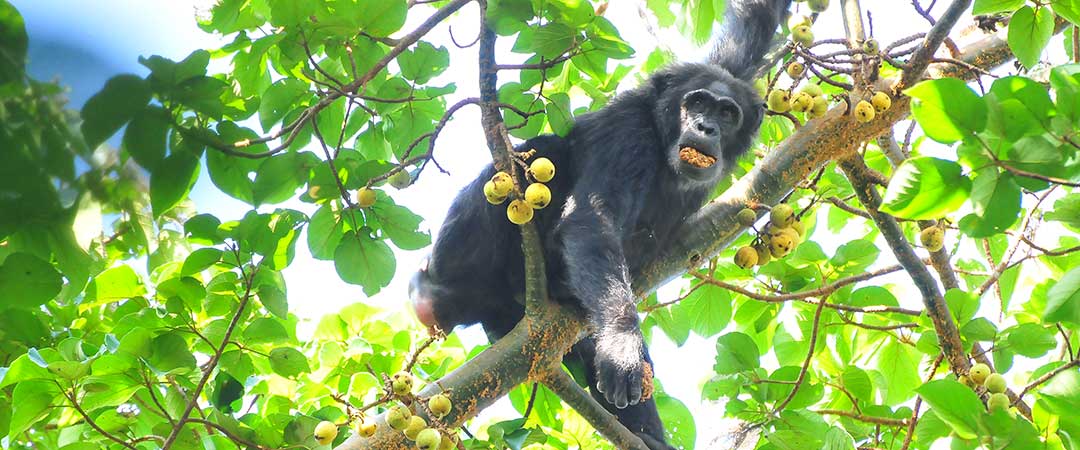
<point>695,158</point>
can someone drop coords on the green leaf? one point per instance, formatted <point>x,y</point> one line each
<point>144,138</point>
<point>361,260</point>
<point>1066,83</point>
<point>1030,339</point>
<point>28,282</point>
<point>838,439</point>
<point>117,283</point>
<point>1063,299</point>
<point>119,101</point>
<point>947,109</point>
<point>200,260</point>
<point>265,330</point>
<point>995,6</point>
<point>170,352</point>
<point>549,40</point>
<point>1029,93</point>
<point>955,404</point>
<point>13,43</point>
<point>736,352</point>
<point>279,177</point>
<point>280,98</point>
<point>380,18</point>
<point>996,198</point>
<point>679,425</point>
<point>1069,9</point>
<point>558,113</point>
<point>926,188</point>
<point>1067,211</point>
<point>708,310</point>
<point>1062,393</point>
<point>288,362</point>
<point>899,365</point>
<point>325,232</point>
<point>30,401</point>
<point>172,181</point>
<point>399,224</point>
<point>1029,32</point>
<point>423,62</point>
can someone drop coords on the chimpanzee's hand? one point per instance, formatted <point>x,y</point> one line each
<point>620,366</point>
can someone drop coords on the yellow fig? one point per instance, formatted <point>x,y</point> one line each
<point>746,217</point>
<point>979,372</point>
<point>502,184</point>
<point>881,101</point>
<point>746,257</point>
<point>864,111</point>
<point>537,195</point>
<point>519,212</point>
<point>365,197</point>
<point>778,101</point>
<point>325,432</point>
<point>933,238</point>
<point>795,70</point>
<point>542,170</point>
<point>782,215</point>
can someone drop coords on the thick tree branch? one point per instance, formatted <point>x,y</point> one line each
<point>948,334</point>
<point>501,154</point>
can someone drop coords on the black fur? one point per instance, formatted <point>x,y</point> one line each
<point>619,194</point>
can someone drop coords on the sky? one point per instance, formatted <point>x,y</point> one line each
<point>86,42</point>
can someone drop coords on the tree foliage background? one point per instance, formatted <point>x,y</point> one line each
<point>131,320</point>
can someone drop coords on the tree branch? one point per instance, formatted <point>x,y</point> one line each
<point>604,422</point>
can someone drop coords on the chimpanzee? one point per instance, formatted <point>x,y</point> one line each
<point>627,176</point>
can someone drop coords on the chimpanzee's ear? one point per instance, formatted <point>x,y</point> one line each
<point>662,80</point>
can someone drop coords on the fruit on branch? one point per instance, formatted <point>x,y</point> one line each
<point>864,111</point>
<point>402,383</point>
<point>995,383</point>
<point>325,432</point>
<point>542,170</point>
<point>881,101</point>
<point>802,35</point>
<point>933,238</point>
<point>764,255</point>
<point>781,244</point>
<point>428,439</point>
<point>821,106</point>
<point>870,46</point>
<point>415,426</point>
<point>818,5</point>
<point>537,195</point>
<point>519,212</point>
<point>778,101</point>
<point>398,417</point>
<point>746,257</point>
<point>365,197</point>
<point>489,194</point>
<point>440,405</point>
<point>502,184</point>
<point>800,228</point>
<point>400,179</point>
<point>798,19</point>
<point>802,102</point>
<point>447,443</point>
<point>746,217</point>
<point>979,372</point>
<point>997,402</point>
<point>813,89</point>
<point>366,427</point>
<point>782,215</point>
<point>795,70</point>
